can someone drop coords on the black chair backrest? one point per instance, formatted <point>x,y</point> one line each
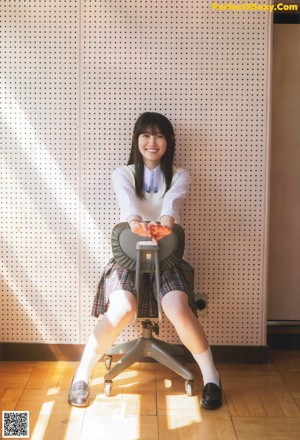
<point>124,241</point>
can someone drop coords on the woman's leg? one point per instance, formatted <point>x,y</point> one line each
<point>176,307</point>
<point>122,306</point>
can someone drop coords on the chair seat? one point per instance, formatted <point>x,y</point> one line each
<point>124,246</point>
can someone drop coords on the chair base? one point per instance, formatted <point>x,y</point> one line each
<point>148,346</point>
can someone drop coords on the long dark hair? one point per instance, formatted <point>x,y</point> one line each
<point>153,122</point>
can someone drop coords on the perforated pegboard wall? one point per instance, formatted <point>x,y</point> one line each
<point>77,75</point>
<point>39,171</point>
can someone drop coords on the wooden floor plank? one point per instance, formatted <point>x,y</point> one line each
<point>250,380</point>
<point>266,428</point>
<point>9,398</point>
<point>45,375</point>
<point>124,404</point>
<point>148,401</point>
<point>271,404</point>
<point>15,374</point>
<point>288,405</point>
<point>254,404</point>
<point>291,379</point>
<point>110,427</point>
<point>56,426</point>
<point>296,397</point>
<point>185,427</point>
<point>53,401</point>
<point>237,404</point>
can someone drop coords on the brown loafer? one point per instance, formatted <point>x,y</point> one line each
<point>211,396</point>
<point>79,394</point>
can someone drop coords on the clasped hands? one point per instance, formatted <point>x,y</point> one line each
<point>154,230</point>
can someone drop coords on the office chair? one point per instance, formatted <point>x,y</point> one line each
<point>143,255</point>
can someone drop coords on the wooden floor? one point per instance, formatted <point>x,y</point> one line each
<point>149,402</point>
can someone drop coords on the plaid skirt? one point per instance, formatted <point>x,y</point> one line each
<point>115,277</point>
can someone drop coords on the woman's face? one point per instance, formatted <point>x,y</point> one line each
<point>152,146</point>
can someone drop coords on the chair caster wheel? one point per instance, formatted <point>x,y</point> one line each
<point>107,388</point>
<point>189,385</point>
<point>107,361</point>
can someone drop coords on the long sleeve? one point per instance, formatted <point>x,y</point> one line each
<point>155,204</point>
<point>176,195</point>
<point>124,187</point>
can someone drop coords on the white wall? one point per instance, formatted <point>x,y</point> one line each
<point>284,255</point>
<point>74,77</point>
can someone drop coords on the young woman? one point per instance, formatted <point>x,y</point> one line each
<point>150,192</point>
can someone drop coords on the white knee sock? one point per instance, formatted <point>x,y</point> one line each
<point>87,365</point>
<point>207,367</point>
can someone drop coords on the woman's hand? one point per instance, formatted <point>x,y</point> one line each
<point>158,231</point>
<point>140,228</point>
<point>152,229</point>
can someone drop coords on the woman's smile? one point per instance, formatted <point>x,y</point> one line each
<point>152,147</point>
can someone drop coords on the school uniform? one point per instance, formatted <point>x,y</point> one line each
<point>156,204</point>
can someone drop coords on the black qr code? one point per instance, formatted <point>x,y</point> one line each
<point>15,424</point>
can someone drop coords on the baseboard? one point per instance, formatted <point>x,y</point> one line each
<point>238,354</point>
<point>72,352</point>
<point>14,351</point>
<point>284,336</point>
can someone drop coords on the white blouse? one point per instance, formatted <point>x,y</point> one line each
<point>155,204</point>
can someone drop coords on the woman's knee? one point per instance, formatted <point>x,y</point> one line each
<point>122,305</point>
<point>175,305</point>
